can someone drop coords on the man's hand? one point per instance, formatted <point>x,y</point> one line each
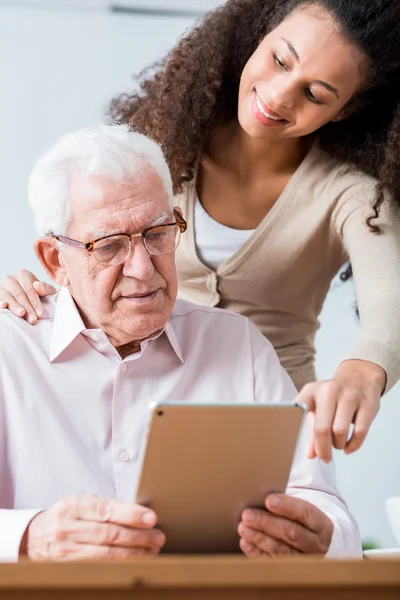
<point>92,527</point>
<point>351,397</point>
<point>288,526</point>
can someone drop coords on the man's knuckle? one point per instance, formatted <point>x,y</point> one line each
<point>105,551</point>
<point>59,531</point>
<point>293,532</point>
<point>284,550</point>
<point>104,510</point>
<point>256,537</point>
<point>110,535</point>
<point>55,552</point>
<point>323,543</point>
<point>62,508</point>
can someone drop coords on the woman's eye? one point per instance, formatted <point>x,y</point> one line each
<point>280,64</point>
<point>311,96</point>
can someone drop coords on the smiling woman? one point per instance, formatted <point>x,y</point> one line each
<point>280,123</point>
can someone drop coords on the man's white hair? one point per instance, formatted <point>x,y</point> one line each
<point>112,151</point>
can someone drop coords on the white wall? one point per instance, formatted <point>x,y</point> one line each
<point>58,71</point>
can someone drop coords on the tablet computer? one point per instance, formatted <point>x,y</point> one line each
<point>202,464</point>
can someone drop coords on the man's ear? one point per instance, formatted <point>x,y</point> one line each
<point>48,252</point>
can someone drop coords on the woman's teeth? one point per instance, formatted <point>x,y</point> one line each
<point>264,112</point>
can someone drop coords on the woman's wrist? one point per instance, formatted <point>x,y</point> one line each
<point>365,369</point>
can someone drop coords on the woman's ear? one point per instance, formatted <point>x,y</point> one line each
<point>354,105</point>
<point>48,252</point>
<point>345,112</point>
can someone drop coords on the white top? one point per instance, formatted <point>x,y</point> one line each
<point>73,414</point>
<point>216,243</point>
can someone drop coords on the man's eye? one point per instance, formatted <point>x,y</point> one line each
<point>156,235</point>
<point>280,64</point>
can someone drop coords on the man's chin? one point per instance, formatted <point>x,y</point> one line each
<point>143,320</point>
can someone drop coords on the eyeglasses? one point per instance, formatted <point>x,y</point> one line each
<point>114,250</point>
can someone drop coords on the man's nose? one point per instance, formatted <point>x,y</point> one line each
<point>139,265</point>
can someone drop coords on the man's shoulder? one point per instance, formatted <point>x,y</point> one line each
<point>215,328</point>
<point>216,321</point>
<point>183,309</point>
<point>9,321</point>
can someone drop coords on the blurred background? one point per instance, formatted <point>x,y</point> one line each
<point>61,63</point>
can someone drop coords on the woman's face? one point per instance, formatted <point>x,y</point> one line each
<point>301,76</point>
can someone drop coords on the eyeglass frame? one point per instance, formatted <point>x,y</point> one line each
<point>89,246</point>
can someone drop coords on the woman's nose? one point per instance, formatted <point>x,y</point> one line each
<point>282,92</point>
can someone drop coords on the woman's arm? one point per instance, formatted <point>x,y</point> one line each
<point>372,366</point>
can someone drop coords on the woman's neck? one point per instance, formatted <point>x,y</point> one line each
<point>231,148</point>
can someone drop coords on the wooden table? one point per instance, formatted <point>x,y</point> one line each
<point>203,578</point>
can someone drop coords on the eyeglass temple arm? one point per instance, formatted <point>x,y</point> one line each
<point>180,220</point>
<point>70,242</point>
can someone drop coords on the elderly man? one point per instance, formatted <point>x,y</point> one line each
<point>75,389</point>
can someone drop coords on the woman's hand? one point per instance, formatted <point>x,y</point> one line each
<point>351,397</point>
<point>21,294</point>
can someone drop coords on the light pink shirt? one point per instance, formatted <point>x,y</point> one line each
<point>73,414</point>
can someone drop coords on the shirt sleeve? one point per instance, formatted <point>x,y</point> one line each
<point>310,480</point>
<point>13,524</point>
<point>375,260</point>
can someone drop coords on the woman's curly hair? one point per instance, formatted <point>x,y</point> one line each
<point>195,88</point>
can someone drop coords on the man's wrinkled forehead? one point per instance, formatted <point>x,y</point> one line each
<point>103,204</point>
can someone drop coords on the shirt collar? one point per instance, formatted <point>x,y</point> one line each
<point>68,324</point>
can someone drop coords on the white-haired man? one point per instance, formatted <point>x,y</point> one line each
<point>75,389</point>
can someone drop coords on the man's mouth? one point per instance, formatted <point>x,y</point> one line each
<point>142,297</point>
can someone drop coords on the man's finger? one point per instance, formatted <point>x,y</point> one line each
<point>298,510</point>
<point>362,422</point>
<point>266,543</point>
<point>93,508</point>
<point>110,534</point>
<point>74,551</point>
<point>286,531</point>
<point>250,550</point>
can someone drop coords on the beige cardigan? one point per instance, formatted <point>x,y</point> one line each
<point>281,275</point>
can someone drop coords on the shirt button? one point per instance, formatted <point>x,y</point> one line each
<point>124,456</point>
<point>123,367</point>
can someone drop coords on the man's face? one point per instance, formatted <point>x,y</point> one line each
<point>129,301</point>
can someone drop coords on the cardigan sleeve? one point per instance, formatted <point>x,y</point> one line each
<point>375,259</point>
